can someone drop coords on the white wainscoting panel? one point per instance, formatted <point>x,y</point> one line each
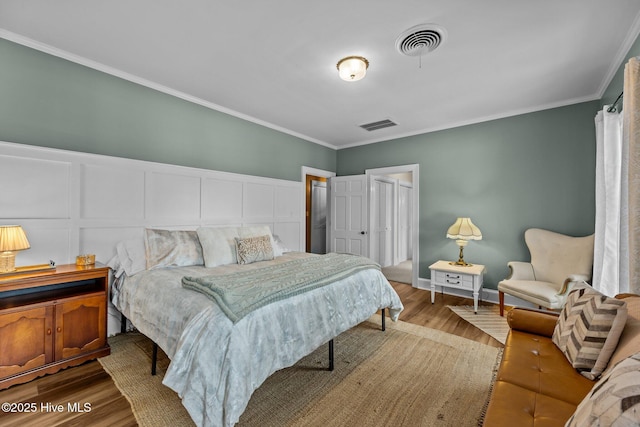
<point>287,202</point>
<point>72,203</point>
<point>109,192</point>
<point>34,188</point>
<point>172,196</point>
<point>258,201</point>
<point>221,200</point>
<point>52,241</point>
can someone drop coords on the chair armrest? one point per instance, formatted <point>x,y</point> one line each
<point>534,322</point>
<point>520,270</point>
<point>578,277</point>
<point>571,281</point>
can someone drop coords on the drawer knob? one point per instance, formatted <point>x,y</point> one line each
<point>49,331</point>
<point>59,329</point>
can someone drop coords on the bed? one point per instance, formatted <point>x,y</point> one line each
<point>218,359</point>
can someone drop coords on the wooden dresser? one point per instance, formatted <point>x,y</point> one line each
<point>51,320</point>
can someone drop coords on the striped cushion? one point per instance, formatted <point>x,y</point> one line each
<point>588,330</point>
<point>614,400</point>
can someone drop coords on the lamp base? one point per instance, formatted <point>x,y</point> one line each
<point>7,262</point>
<point>461,262</point>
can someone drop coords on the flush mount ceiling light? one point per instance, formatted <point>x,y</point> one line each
<point>352,68</point>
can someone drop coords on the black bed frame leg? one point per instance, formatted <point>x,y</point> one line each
<point>154,358</point>
<point>384,327</point>
<point>331,355</point>
<point>154,353</point>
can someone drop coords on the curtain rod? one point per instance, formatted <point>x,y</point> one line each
<point>613,106</point>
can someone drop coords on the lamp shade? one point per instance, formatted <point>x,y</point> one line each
<point>352,68</point>
<point>464,229</point>
<point>13,238</point>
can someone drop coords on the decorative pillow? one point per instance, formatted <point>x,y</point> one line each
<point>253,249</point>
<point>172,248</point>
<point>588,329</point>
<point>132,256</point>
<point>218,245</point>
<point>614,400</point>
<point>257,230</point>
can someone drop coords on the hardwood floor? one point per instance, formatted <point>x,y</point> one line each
<point>419,310</point>
<point>89,383</point>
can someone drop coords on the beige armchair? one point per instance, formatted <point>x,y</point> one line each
<point>558,263</point>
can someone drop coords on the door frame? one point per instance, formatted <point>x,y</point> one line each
<point>309,171</point>
<point>415,218</point>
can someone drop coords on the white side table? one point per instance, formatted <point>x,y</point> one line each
<point>459,277</point>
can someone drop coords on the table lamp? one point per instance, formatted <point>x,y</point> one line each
<point>463,230</point>
<point>12,239</point>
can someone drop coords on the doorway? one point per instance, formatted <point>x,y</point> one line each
<point>316,214</point>
<point>394,219</point>
<point>408,191</point>
<point>315,208</point>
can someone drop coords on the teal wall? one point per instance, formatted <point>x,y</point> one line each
<point>531,170</point>
<point>48,101</point>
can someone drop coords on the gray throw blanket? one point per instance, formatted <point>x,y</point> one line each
<point>238,294</point>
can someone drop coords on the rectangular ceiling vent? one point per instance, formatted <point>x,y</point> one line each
<point>378,125</point>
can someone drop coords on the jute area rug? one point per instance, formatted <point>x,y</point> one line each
<point>407,376</point>
<point>488,320</point>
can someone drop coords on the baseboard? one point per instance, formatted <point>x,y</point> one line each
<point>486,295</point>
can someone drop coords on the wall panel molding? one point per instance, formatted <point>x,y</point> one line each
<point>71,203</point>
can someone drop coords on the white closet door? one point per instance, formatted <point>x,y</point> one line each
<point>382,217</point>
<point>348,228</point>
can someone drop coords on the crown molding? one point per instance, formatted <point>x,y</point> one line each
<point>42,47</point>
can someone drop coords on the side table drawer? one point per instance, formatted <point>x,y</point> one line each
<point>454,279</point>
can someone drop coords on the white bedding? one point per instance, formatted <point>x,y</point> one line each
<point>215,364</point>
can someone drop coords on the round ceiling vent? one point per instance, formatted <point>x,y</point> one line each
<point>421,39</point>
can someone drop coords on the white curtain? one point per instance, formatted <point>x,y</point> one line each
<point>611,262</point>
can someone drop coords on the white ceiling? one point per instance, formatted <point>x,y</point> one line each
<point>274,61</point>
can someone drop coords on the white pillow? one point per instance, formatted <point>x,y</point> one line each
<point>255,231</point>
<point>132,256</point>
<point>278,247</point>
<point>218,245</point>
<point>172,248</point>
